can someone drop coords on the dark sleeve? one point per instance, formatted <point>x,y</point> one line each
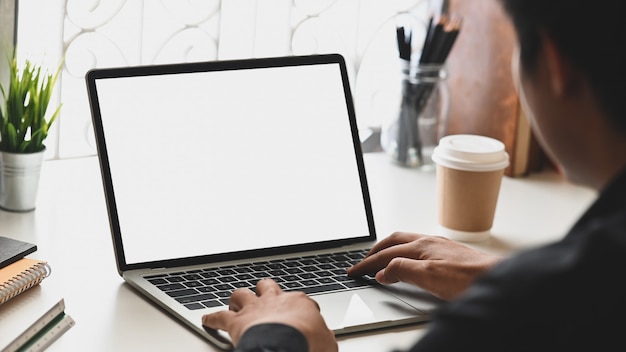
<point>272,338</point>
<point>477,321</point>
<point>528,303</point>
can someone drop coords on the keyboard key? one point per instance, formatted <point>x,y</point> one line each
<point>193,284</point>
<point>224,287</point>
<point>180,293</point>
<point>192,277</point>
<point>227,272</point>
<point>227,279</point>
<point>310,268</point>
<point>242,270</point>
<point>277,272</point>
<point>158,281</point>
<point>194,306</point>
<point>275,266</point>
<point>292,284</point>
<point>175,279</point>
<point>244,276</point>
<point>355,284</point>
<point>324,273</point>
<point>309,282</point>
<point>196,298</point>
<point>154,276</point>
<point>259,268</point>
<point>170,287</point>
<point>343,278</point>
<point>212,303</point>
<point>292,264</point>
<point>292,278</point>
<point>294,270</point>
<point>210,281</point>
<point>240,284</point>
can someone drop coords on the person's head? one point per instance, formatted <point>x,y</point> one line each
<point>571,62</point>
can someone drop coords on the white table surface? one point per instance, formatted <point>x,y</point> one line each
<point>70,228</point>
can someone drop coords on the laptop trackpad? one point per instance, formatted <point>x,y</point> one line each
<point>343,311</point>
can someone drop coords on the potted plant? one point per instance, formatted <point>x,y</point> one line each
<point>23,130</point>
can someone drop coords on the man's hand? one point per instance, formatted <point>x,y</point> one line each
<point>271,305</point>
<point>441,266</point>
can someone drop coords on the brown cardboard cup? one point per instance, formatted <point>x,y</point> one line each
<point>469,174</point>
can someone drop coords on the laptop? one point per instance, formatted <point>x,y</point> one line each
<point>219,174</point>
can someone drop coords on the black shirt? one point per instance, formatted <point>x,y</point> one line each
<point>566,296</point>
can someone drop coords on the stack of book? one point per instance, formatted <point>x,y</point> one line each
<point>17,272</point>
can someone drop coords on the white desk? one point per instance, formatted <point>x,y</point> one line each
<point>71,230</point>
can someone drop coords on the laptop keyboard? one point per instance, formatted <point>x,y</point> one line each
<point>212,287</point>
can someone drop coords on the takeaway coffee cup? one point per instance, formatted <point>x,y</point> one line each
<point>469,174</point>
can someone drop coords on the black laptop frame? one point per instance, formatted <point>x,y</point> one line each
<point>152,70</point>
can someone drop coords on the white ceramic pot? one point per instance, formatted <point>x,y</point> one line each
<point>19,180</point>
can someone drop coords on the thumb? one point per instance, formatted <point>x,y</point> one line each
<point>402,269</point>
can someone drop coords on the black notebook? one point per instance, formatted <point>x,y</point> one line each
<point>12,250</point>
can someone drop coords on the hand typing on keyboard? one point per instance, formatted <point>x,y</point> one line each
<point>441,266</point>
<point>272,305</point>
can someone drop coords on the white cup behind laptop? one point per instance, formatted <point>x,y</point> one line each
<point>469,174</point>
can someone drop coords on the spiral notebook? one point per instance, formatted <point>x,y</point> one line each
<point>21,275</point>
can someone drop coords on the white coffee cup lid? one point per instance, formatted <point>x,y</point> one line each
<point>471,153</point>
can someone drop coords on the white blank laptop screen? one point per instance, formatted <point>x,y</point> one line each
<point>215,162</point>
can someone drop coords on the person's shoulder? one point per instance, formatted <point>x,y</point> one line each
<point>570,285</point>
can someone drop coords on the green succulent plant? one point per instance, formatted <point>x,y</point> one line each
<point>23,124</point>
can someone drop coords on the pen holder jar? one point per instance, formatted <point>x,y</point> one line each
<point>410,136</point>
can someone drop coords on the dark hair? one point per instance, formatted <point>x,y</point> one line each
<point>590,34</point>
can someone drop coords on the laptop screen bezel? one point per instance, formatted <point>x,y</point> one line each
<point>94,75</point>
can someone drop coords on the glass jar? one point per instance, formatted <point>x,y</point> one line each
<point>410,136</point>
